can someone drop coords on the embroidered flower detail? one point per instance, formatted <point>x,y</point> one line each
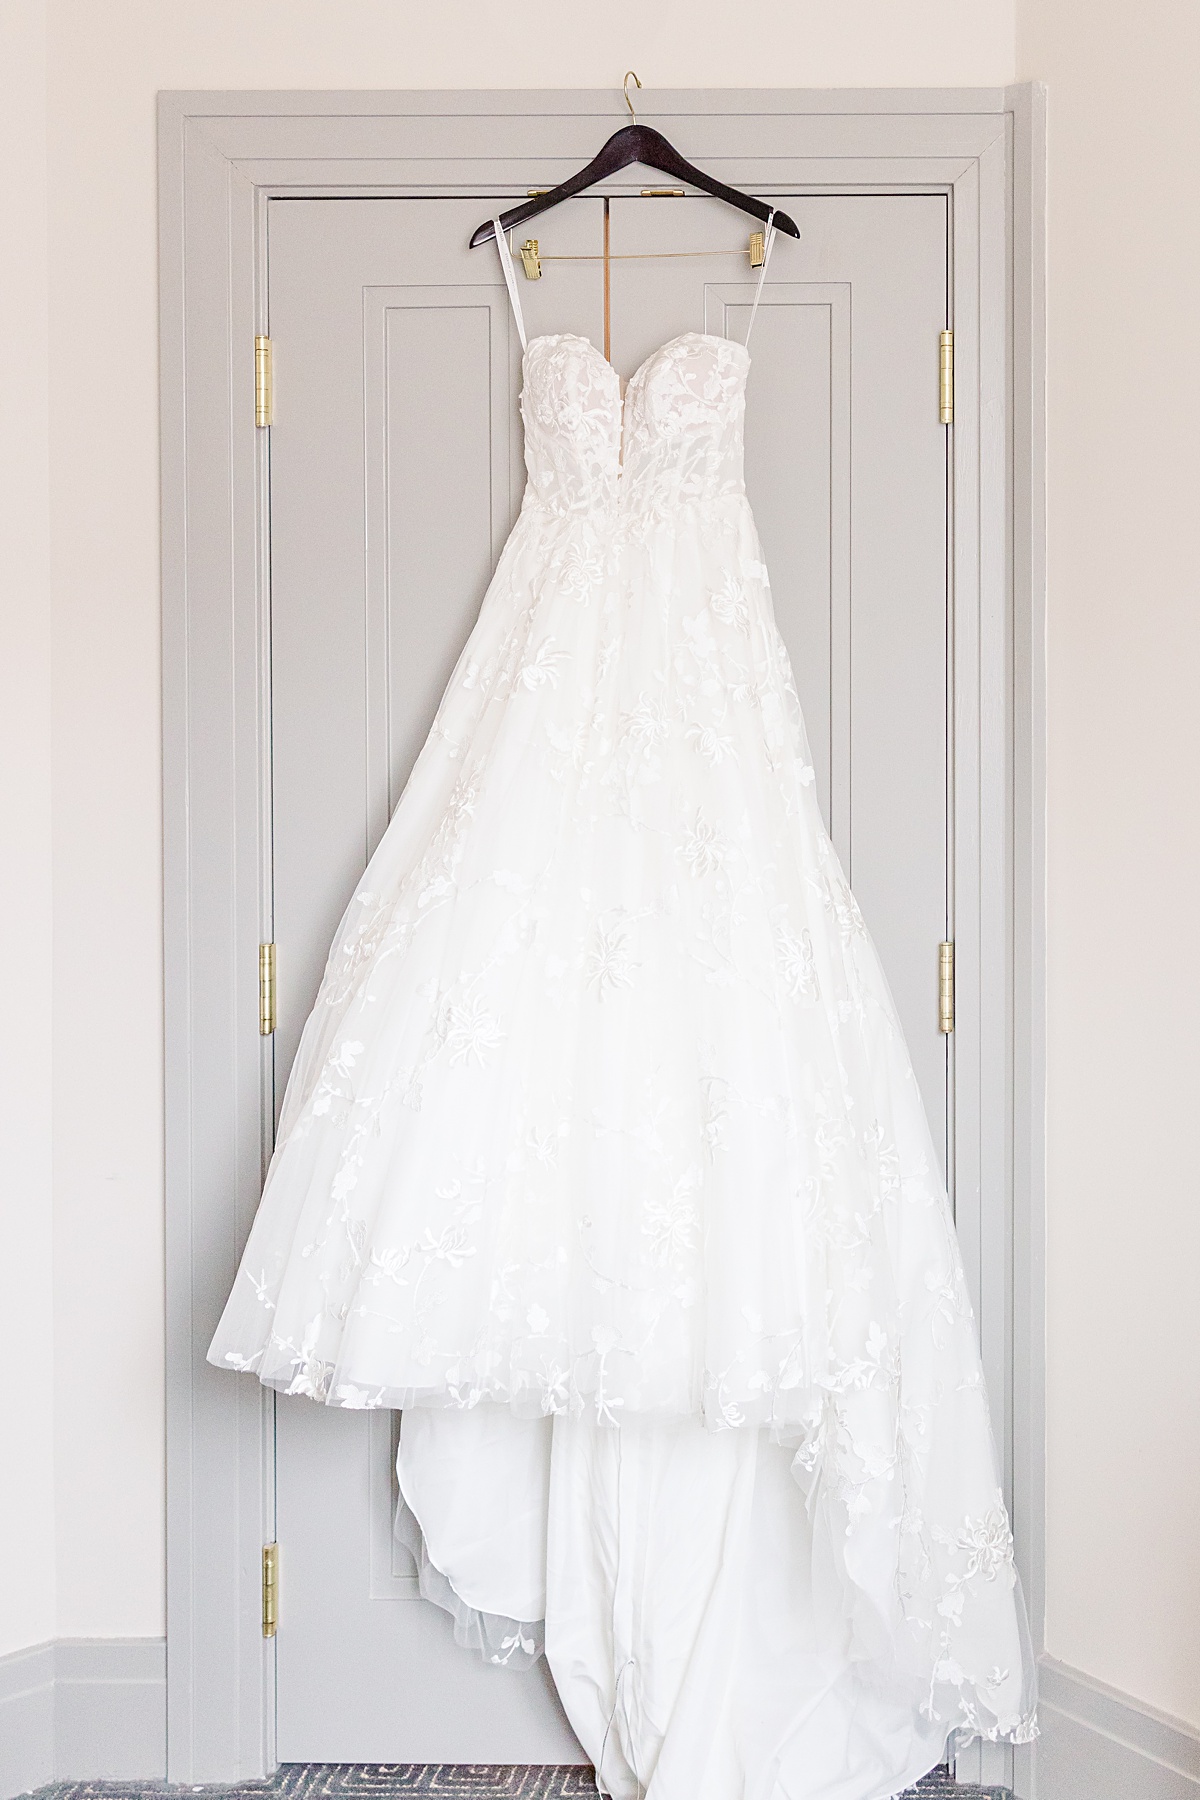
<point>345,1181</point>
<point>840,904</point>
<point>459,807</point>
<point>673,1223</point>
<point>580,571</point>
<point>946,1295</point>
<point>609,964</point>
<point>703,849</point>
<point>510,1645</point>
<point>555,1391</point>
<point>385,1265</point>
<point>715,746</point>
<point>573,745</point>
<point>451,1247</point>
<point>797,965</point>
<point>646,724</point>
<point>988,1543</point>
<point>262,1289</point>
<point>731,605</point>
<point>543,1145</point>
<point>311,1375</point>
<point>714,1120</point>
<point>468,1031</point>
<point>357,1399</point>
<point>542,668</point>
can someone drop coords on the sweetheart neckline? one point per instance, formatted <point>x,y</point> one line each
<point>575,337</point>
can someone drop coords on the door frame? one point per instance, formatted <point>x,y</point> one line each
<point>222,157</point>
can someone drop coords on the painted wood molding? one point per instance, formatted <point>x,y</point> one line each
<point>1100,1744</point>
<point>95,1709</point>
<point>83,1709</point>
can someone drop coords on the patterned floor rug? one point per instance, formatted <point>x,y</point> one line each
<point>440,1781</point>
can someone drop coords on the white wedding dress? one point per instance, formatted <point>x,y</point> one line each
<point>603,1157</point>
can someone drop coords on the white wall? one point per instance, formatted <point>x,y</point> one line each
<point>1124,1574</point>
<point>1124,838</point>
<point>27,1573</point>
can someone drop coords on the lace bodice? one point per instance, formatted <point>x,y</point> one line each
<point>675,440</point>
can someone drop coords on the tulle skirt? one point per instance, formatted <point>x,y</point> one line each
<point>604,1114</point>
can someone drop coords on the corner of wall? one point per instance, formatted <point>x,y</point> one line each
<point>27,1587</point>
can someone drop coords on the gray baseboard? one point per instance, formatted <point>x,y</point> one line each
<point>83,1709</point>
<point>26,1719</point>
<point>94,1709</point>
<point>1098,1744</point>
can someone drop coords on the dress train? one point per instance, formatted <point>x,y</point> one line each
<point>698,1646</point>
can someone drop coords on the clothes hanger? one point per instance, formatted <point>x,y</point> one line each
<point>635,144</point>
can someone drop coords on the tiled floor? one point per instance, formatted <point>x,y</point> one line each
<point>404,1781</point>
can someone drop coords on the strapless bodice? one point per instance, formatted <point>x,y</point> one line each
<point>675,439</point>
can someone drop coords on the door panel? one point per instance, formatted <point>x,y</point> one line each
<point>395,475</point>
<point>394,481</point>
<point>429,438</point>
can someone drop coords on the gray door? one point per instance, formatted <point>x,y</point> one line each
<point>395,475</point>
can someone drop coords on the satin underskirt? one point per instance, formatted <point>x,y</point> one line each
<point>669,1573</point>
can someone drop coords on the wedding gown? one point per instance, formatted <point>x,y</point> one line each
<point>603,1157</point>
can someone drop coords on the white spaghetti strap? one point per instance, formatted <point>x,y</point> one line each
<point>762,273</point>
<point>506,263</point>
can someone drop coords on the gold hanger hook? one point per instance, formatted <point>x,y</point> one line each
<point>629,76</point>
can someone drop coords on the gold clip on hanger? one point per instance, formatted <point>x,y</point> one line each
<point>533,256</point>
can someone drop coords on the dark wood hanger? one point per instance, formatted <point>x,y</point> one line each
<point>635,144</point>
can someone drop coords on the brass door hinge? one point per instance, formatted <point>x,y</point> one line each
<point>662,193</point>
<point>266,989</point>
<point>270,1589</point>
<point>946,988</point>
<point>263,395</point>
<point>946,378</point>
